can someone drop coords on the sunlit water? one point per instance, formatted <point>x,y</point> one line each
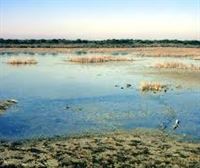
<point>57,97</point>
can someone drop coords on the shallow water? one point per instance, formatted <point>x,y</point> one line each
<point>57,97</point>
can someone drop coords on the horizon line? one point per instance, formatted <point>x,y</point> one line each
<point>162,39</point>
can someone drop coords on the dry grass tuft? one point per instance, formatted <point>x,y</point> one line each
<point>98,59</point>
<point>176,65</point>
<point>152,86</point>
<point>22,61</point>
<point>167,52</point>
<point>171,65</point>
<point>196,58</point>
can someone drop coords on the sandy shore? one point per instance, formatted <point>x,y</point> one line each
<point>135,149</point>
<point>143,51</point>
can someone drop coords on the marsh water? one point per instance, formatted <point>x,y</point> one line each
<point>58,97</point>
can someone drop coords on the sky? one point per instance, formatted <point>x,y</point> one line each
<point>100,19</point>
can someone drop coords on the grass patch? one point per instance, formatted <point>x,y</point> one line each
<point>176,65</point>
<point>22,61</point>
<point>98,59</point>
<point>80,52</point>
<point>196,58</point>
<point>120,53</point>
<point>152,86</point>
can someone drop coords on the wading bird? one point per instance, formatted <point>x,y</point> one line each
<point>176,125</point>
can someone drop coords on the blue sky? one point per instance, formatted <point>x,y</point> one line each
<point>100,19</point>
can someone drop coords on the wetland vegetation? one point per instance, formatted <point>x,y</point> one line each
<point>95,107</point>
<point>176,65</point>
<point>152,86</point>
<point>21,61</point>
<point>120,149</point>
<point>97,59</point>
<point>99,84</point>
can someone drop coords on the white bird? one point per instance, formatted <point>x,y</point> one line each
<point>12,101</point>
<point>176,125</point>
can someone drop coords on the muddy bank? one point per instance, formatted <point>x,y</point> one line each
<point>142,51</point>
<point>135,149</point>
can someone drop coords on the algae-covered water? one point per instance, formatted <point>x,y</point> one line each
<point>57,97</point>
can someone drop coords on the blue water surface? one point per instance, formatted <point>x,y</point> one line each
<point>56,97</point>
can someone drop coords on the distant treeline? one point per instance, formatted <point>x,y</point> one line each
<point>63,43</point>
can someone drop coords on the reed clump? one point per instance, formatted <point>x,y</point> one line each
<point>152,86</point>
<point>176,65</point>
<point>22,61</point>
<point>196,58</point>
<point>98,59</point>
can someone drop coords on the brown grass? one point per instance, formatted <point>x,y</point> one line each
<point>176,65</point>
<point>168,52</point>
<point>22,61</point>
<point>97,59</point>
<point>196,58</point>
<point>152,86</point>
<point>142,51</point>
